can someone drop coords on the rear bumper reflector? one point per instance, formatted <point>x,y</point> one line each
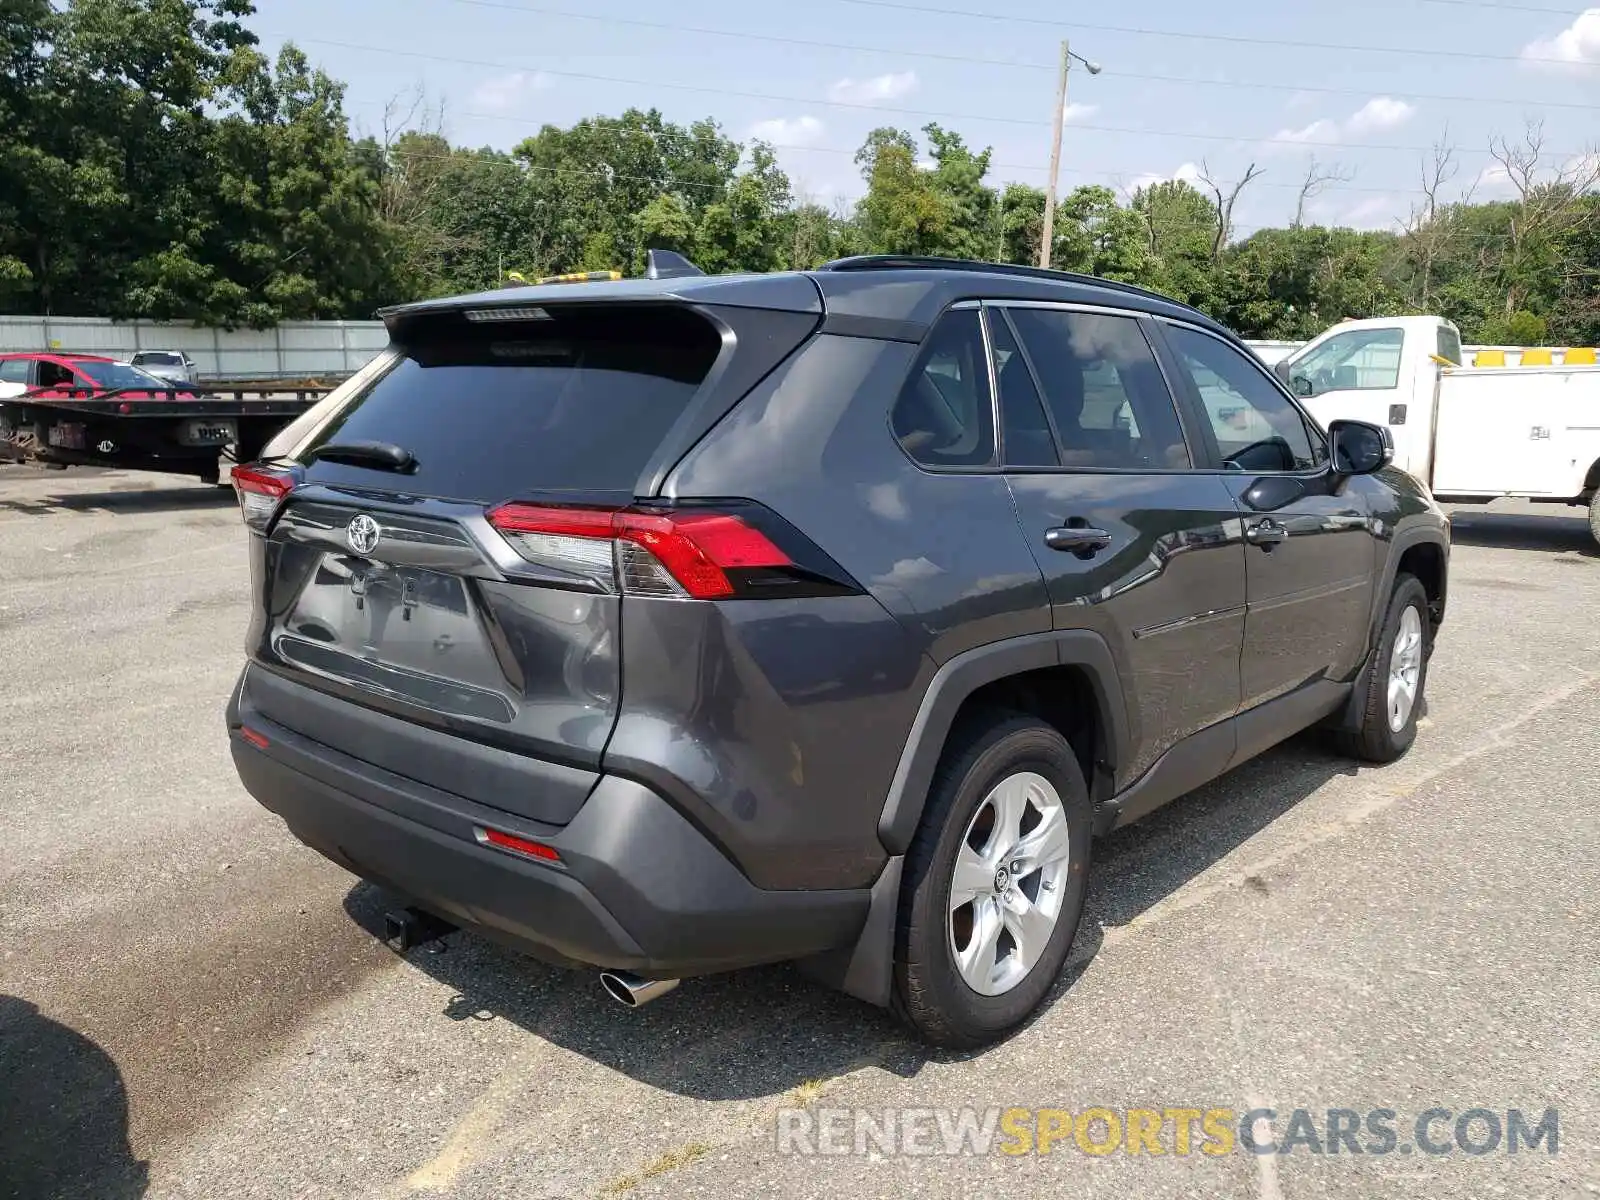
<point>513,844</point>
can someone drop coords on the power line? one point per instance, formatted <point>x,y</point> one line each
<point>1116,177</point>
<point>519,165</point>
<point>1230,38</point>
<point>1527,8</point>
<point>666,183</point>
<point>501,65</point>
<point>1008,63</point>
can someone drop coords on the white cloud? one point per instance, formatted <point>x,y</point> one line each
<point>1585,167</point>
<point>1187,173</point>
<point>875,90</point>
<point>1581,171</point>
<point>1381,112</point>
<point>1078,112</point>
<point>1577,43</point>
<point>1376,115</point>
<point>788,131</point>
<point>1493,178</point>
<point>506,91</point>
<point>1318,131</point>
<point>1375,212</point>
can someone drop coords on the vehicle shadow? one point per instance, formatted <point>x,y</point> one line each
<point>63,1114</point>
<point>137,499</point>
<point>765,1031</point>
<point>1524,531</point>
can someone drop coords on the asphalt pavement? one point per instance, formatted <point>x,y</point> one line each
<point>192,1004</point>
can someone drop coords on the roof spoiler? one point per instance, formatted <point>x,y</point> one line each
<point>668,264</point>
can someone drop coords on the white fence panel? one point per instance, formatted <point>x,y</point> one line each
<point>292,350</point>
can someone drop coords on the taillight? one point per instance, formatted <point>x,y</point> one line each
<point>693,553</point>
<point>260,489</point>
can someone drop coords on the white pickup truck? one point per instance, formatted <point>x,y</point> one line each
<point>1471,434</point>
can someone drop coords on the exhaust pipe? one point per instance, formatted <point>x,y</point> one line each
<point>629,990</point>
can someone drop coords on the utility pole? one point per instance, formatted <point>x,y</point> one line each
<point>1048,237</point>
<point>1048,234</point>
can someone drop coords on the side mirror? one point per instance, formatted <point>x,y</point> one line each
<point>1304,388</point>
<point>1360,448</point>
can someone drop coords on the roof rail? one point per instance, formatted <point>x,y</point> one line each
<point>912,262</point>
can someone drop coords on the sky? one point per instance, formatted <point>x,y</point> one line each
<point>1366,87</point>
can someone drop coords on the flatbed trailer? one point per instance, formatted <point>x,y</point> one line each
<point>185,430</point>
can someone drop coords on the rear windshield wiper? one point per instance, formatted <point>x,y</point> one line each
<point>382,456</point>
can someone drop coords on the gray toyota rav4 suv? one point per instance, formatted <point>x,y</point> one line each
<point>679,624</point>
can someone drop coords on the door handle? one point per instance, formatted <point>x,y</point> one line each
<point>1266,534</point>
<point>1083,541</point>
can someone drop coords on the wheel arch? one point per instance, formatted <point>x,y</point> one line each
<point>1032,673</point>
<point>865,969</point>
<point>1420,550</point>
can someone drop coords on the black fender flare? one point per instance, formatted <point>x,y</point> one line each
<point>866,968</point>
<point>1404,539</point>
<point>964,674</point>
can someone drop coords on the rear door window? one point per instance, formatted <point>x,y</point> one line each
<point>1024,427</point>
<point>577,402</point>
<point>54,375</point>
<point>1107,399</point>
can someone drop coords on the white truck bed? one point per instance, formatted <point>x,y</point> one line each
<point>1515,431</point>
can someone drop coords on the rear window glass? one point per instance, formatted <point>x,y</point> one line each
<point>490,411</point>
<point>1449,345</point>
<point>116,375</point>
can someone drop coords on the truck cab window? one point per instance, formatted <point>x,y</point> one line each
<point>1353,361</point>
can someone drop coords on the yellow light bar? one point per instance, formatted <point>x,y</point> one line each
<point>582,277</point>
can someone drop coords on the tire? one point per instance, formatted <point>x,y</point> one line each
<point>1377,739</point>
<point>1594,516</point>
<point>963,820</point>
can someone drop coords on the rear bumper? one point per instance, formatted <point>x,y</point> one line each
<point>637,888</point>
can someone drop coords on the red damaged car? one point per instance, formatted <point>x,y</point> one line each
<point>90,410</point>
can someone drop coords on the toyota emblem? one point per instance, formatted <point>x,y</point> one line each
<point>363,534</point>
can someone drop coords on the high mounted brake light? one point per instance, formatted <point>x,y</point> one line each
<point>260,490</point>
<point>524,313</point>
<point>698,554</point>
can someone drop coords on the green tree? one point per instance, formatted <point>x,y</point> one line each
<point>1179,224</point>
<point>903,212</point>
<point>742,231</point>
<point>958,176</point>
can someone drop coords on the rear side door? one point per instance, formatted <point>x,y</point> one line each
<point>1310,551</point>
<point>1134,542</point>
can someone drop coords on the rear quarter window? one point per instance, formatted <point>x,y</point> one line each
<point>943,416</point>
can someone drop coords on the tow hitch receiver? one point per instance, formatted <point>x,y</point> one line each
<point>407,928</point>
